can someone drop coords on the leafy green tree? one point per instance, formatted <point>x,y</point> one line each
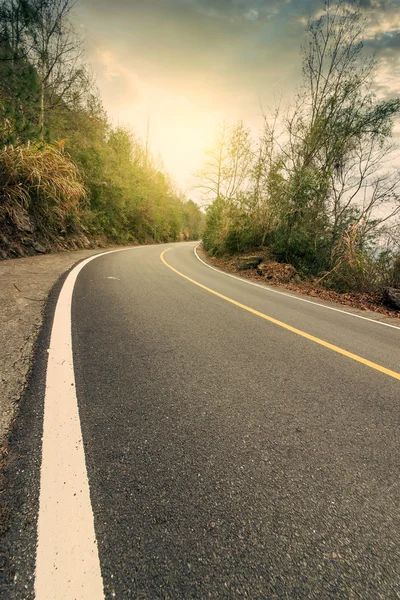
<point>317,188</point>
<point>19,84</point>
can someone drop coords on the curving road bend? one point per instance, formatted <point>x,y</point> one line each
<point>238,443</point>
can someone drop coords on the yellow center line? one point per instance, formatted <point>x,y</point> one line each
<point>303,334</point>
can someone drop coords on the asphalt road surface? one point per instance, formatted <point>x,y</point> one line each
<point>239,443</point>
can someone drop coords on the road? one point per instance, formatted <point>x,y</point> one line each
<point>239,443</point>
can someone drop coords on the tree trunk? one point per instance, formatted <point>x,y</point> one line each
<point>41,117</point>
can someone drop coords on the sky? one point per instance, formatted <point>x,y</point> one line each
<point>178,67</point>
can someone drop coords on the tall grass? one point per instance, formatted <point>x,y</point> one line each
<point>43,185</point>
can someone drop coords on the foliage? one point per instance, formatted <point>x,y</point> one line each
<point>44,184</point>
<point>63,163</point>
<point>315,187</point>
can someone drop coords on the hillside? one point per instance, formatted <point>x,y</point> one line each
<point>68,177</point>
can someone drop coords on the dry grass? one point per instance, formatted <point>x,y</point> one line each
<point>361,300</point>
<point>42,183</point>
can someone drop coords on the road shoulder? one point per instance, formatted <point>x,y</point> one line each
<point>24,290</point>
<point>250,277</point>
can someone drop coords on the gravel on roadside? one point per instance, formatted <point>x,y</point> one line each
<point>25,284</point>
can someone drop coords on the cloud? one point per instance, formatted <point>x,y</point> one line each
<point>211,50</point>
<point>374,4</point>
<point>385,41</point>
<point>207,59</point>
<point>220,48</point>
<point>122,85</point>
<point>238,10</point>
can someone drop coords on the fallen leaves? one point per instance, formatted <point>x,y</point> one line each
<point>285,276</point>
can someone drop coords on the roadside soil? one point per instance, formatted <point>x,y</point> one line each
<point>281,276</point>
<point>24,287</point>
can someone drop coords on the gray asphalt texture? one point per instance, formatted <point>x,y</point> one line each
<point>25,284</point>
<point>228,457</point>
<point>19,499</point>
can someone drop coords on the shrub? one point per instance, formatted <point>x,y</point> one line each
<point>43,184</point>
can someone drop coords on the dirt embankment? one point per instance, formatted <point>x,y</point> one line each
<point>268,271</point>
<point>20,237</point>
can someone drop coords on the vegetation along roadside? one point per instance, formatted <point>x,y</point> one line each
<point>319,190</point>
<point>68,178</point>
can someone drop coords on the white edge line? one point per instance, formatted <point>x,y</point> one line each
<point>67,559</point>
<point>272,291</point>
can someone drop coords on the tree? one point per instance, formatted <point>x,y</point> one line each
<point>59,140</point>
<point>227,163</point>
<point>211,177</point>
<point>319,189</point>
<point>193,221</point>
<point>336,125</point>
<point>56,54</point>
<point>40,63</point>
<point>19,85</point>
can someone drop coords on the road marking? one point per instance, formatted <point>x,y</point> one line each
<point>299,332</point>
<point>272,291</point>
<point>67,560</point>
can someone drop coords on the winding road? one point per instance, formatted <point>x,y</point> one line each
<point>209,439</point>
